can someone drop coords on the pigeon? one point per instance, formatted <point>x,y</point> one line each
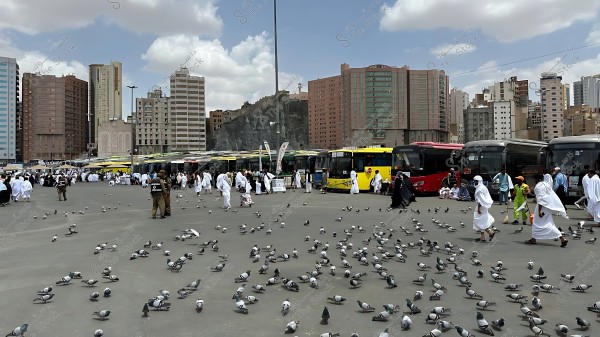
<point>18,331</point>
<point>527,312</point>
<point>583,324</point>
<point>183,293</point>
<point>145,310</point>
<point>591,241</point>
<point>484,304</point>
<point>240,305</point>
<point>45,291</point>
<point>98,333</point>
<point>243,277</point>
<point>472,293</point>
<point>102,314</point>
<point>365,307</point>
<point>199,305</point>
<point>291,327</point>
<point>194,285</point>
<point>537,330</point>
<point>418,295</point>
<point>325,316</point>
<point>337,299</point>
<point>405,323</point>
<point>582,287</point>
<point>54,238</point>
<point>464,333</point>
<point>568,278</point>
<point>562,328</point>
<point>483,325</point>
<point>43,298</point>
<point>536,303</point>
<point>90,282</point>
<point>66,279</point>
<point>498,323</point>
<point>413,308</point>
<point>517,297</point>
<point>285,307</point>
<point>94,296</point>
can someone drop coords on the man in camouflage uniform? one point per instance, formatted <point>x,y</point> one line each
<point>168,185</point>
<point>158,192</point>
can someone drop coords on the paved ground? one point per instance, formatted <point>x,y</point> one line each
<point>30,261</point>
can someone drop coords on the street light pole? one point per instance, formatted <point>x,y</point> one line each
<point>277,117</point>
<point>133,123</point>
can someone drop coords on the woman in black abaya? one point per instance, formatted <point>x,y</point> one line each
<point>397,200</point>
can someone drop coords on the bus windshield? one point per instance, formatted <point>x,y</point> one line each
<point>483,162</point>
<point>340,167</point>
<point>573,157</point>
<point>407,160</point>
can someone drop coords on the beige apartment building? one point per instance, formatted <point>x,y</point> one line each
<point>188,112</point>
<point>551,94</point>
<point>105,96</point>
<point>378,105</point>
<point>153,115</point>
<point>54,117</point>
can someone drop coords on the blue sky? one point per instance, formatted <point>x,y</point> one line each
<point>231,42</point>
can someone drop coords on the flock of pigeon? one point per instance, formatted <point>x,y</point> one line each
<point>376,251</point>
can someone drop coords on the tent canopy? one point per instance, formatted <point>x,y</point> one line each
<point>11,168</point>
<point>66,166</point>
<point>93,166</point>
<point>39,167</point>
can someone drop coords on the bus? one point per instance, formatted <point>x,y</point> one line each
<point>427,164</point>
<point>520,157</point>
<point>365,160</point>
<point>305,160</point>
<point>571,154</point>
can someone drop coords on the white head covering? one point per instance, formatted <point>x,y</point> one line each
<point>479,178</point>
<point>546,197</point>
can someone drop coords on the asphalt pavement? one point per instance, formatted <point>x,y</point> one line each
<point>121,215</point>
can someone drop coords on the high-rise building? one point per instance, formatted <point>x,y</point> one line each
<point>479,123</point>
<point>188,114</point>
<point>54,117</point>
<point>566,96</point>
<point>577,93</point>
<point>591,91</point>
<point>504,119</point>
<point>551,95</point>
<point>105,97</point>
<point>19,134</point>
<point>378,105</point>
<point>324,112</point>
<point>216,120</point>
<point>9,97</point>
<point>459,101</point>
<point>153,115</point>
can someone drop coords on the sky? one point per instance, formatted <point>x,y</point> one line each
<point>231,42</point>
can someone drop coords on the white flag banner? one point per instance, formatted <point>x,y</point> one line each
<point>268,149</point>
<point>260,158</point>
<point>280,156</point>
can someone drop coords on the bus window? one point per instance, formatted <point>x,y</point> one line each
<point>359,163</point>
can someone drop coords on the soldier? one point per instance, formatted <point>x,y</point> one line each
<point>168,185</point>
<point>158,193</point>
<point>61,188</point>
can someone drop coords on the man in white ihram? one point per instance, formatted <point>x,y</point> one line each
<point>593,193</point>
<point>482,219</point>
<point>220,178</point>
<point>543,227</point>
<point>377,182</point>
<point>224,185</point>
<point>354,182</point>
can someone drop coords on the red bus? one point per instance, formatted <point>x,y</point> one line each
<point>427,164</point>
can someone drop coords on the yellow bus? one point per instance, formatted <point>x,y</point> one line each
<point>364,160</point>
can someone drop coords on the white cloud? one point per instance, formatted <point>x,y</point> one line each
<point>161,18</point>
<point>594,35</point>
<point>244,73</point>
<point>443,50</point>
<point>507,20</point>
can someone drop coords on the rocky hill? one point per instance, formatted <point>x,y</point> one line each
<point>250,129</point>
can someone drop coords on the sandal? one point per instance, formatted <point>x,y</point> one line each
<point>492,236</point>
<point>564,243</point>
<point>479,240</point>
<point>531,241</point>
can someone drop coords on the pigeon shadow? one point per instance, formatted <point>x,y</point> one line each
<point>41,302</point>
